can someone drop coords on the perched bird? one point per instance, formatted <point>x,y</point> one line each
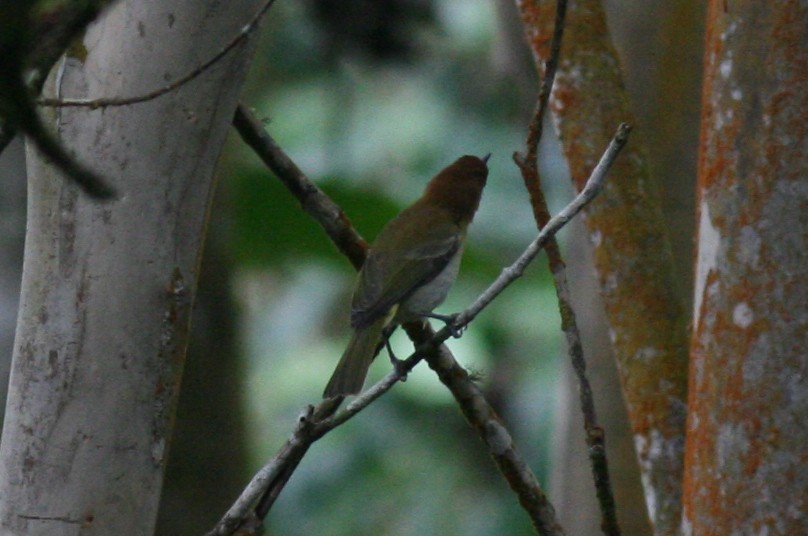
<point>410,267</point>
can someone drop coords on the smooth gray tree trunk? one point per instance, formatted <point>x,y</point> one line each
<point>12,238</point>
<point>107,288</point>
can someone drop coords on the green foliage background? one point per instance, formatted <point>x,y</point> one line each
<point>371,129</point>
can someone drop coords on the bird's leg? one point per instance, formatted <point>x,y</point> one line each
<point>398,364</point>
<point>449,320</point>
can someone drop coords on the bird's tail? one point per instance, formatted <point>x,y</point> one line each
<point>355,361</point>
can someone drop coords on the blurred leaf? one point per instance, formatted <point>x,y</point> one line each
<point>271,228</point>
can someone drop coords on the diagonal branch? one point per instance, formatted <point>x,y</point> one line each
<point>313,423</point>
<point>313,200</point>
<point>492,431</point>
<point>17,110</point>
<point>50,34</point>
<point>471,401</point>
<point>19,113</point>
<point>634,264</point>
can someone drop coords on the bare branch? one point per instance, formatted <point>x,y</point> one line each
<point>482,417</point>
<point>268,482</point>
<point>535,128</point>
<point>313,200</point>
<point>50,34</point>
<point>17,109</point>
<point>473,403</point>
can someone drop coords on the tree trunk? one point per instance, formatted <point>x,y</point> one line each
<point>107,289</point>
<point>12,234</point>
<point>747,441</point>
<point>647,323</point>
<point>663,79</point>
<point>204,472</point>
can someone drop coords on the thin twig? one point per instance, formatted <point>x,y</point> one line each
<point>123,101</point>
<point>471,401</point>
<point>514,271</point>
<point>51,33</point>
<point>473,405</point>
<point>338,227</point>
<point>536,126</point>
<point>18,108</point>
<point>528,165</point>
<point>468,395</point>
<point>324,420</point>
<point>267,483</point>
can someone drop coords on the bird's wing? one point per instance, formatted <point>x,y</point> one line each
<point>388,277</point>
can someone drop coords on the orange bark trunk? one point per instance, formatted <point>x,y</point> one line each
<point>747,446</point>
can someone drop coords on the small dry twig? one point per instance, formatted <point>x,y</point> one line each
<point>593,186</point>
<point>313,423</point>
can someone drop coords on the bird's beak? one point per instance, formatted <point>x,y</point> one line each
<point>486,157</point>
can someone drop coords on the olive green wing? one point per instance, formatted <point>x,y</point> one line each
<point>389,276</point>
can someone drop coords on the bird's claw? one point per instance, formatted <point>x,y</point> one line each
<point>451,323</point>
<point>400,368</point>
<point>398,364</point>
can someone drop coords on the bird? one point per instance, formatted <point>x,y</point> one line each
<point>410,267</point>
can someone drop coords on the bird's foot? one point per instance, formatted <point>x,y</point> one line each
<point>450,321</point>
<point>398,364</point>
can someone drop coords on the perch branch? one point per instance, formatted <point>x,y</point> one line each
<point>473,404</point>
<point>313,423</point>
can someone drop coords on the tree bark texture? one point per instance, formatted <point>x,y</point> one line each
<point>747,443</point>
<point>663,78</point>
<point>107,288</point>
<point>12,239</point>
<point>204,472</point>
<point>647,324</point>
